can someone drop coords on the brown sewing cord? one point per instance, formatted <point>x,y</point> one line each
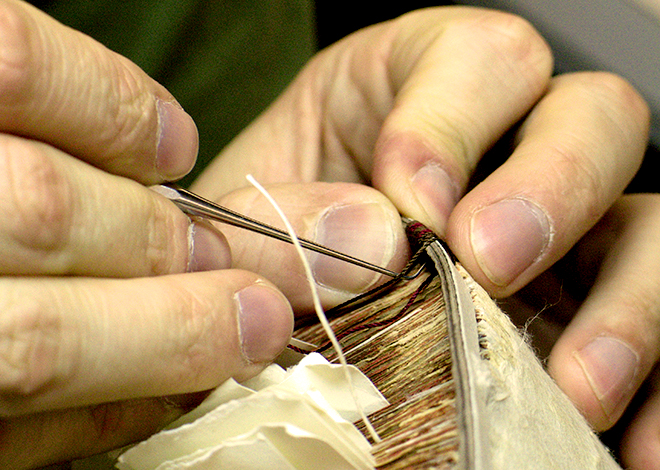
<point>382,323</point>
<point>410,363</point>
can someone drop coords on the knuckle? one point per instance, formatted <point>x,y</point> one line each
<point>31,349</point>
<point>516,34</point>
<point>201,358</point>
<point>130,137</point>
<point>108,419</point>
<point>517,43</point>
<point>614,120</point>
<point>614,86</point>
<point>37,199</point>
<point>637,321</point>
<point>15,55</point>
<point>166,246</point>
<point>617,98</point>
<point>588,189</point>
<point>195,348</point>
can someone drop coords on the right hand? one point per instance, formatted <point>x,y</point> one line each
<point>105,334</point>
<point>96,315</point>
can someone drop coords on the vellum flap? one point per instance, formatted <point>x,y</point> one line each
<point>228,391</point>
<point>273,424</point>
<point>273,447</point>
<point>330,380</point>
<point>257,453</point>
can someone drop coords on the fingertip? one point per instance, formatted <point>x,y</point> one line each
<point>178,141</point>
<point>265,321</point>
<point>436,193</point>
<point>507,238</point>
<point>369,230</point>
<point>599,377</point>
<point>353,219</point>
<point>569,376</point>
<point>208,248</point>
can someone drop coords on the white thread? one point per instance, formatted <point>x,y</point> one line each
<point>191,245</point>
<point>317,305</point>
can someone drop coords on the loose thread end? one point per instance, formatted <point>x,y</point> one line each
<point>317,306</point>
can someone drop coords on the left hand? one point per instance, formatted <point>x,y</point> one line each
<point>412,105</point>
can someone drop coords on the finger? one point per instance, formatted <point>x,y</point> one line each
<point>459,90</point>
<point>64,217</point>
<point>578,149</point>
<point>610,347</point>
<point>430,91</point>
<point>640,446</point>
<point>61,436</point>
<point>353,219</point>
<point>61,87</point>
<point>75,342</point>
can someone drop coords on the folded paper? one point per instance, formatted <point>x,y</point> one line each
<point>295,419</point>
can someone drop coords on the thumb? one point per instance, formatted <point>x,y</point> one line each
<point>350,218</point>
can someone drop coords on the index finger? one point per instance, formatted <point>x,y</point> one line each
<point>63,88</point>
<point>400,104</point>
<point>460,90</point>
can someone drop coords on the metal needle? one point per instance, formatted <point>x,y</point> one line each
<point>195,205</point>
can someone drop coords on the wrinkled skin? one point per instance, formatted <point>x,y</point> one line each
<point>101,314</point>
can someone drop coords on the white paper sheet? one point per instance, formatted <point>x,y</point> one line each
<point>294,419</point>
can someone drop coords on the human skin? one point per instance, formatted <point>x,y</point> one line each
<point>101,314</point>
<point>414,115</point>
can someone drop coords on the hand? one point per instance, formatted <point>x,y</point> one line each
<point>413,105</point>
<point>605,290</point>
<point>97,315</point>
<point>613,344</point>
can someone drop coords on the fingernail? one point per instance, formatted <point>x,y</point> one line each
<point>610,366</point>
<point>360,230</point>
<point>208,248</point>
<point>178,141</point>
<point>436,193</point>
<point>508,237</point>
<point>265,321</point>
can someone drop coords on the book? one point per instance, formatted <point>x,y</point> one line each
<point>465,390</point>
<point>499,410</point>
